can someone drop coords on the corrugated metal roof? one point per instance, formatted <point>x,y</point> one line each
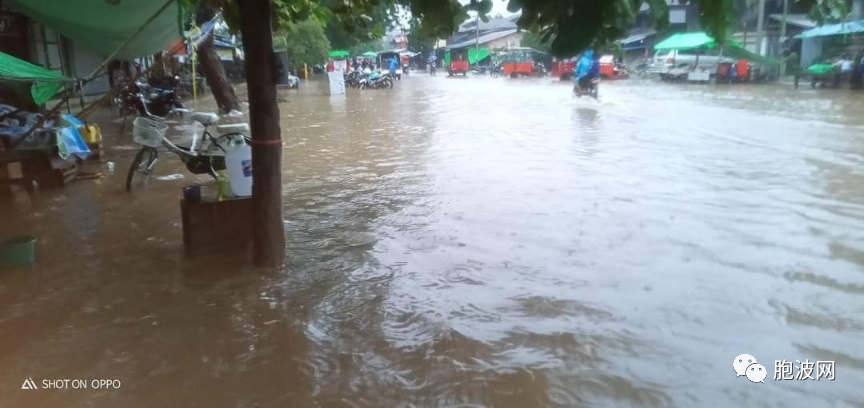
<point>798,20</point>
<point>834,29</point>
<point>495,24</point>
<point>483,39</point>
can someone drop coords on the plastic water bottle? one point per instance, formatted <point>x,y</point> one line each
<point>238,161</point>
<point>223,190</point>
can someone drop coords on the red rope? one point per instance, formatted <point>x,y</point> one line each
<point>274,142</point>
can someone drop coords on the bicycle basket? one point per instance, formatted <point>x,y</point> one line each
<point>148,132</point>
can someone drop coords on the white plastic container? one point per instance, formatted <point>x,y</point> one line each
<point>238,161</point>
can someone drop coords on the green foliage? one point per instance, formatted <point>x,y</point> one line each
<point>419,39</point>
<point>569,26</point>
<point>305,43</point>
<point>371,45</point>
<point>345,33</point>
<point>535,41</point>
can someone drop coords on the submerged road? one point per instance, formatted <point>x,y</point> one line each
<point>473,242</point>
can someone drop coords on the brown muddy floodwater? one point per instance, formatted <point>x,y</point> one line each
<point>473,242</point>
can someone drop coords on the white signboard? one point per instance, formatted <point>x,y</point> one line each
<point>699,76</point>
<point>337,82</point>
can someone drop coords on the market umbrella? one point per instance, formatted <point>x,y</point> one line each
<point>370,54</point>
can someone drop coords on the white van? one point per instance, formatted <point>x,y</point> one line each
<point>666,60</point>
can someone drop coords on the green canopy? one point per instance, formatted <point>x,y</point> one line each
<point>686,41</point>
<point>849,27</point>
<point>820,68</point>
<point>104,25</point>
<point>370,54</point>
<point>689,41</point>
<point>46,83</point>
<point>339,54</point>
<point>475,55</point>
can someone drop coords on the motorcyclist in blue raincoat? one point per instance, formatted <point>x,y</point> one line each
<point>587,69</point>
<point>394,64</point>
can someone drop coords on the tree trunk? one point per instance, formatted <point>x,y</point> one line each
<point>218,82</point>
<point>269,231</point>
<point>212,67</point>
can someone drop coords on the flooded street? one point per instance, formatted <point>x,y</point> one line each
<point>472,242</point>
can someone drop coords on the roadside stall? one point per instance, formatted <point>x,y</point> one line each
<point>832,55</point>
<point>34,145</point>
<point>340,60</point>
<point>697,57</point>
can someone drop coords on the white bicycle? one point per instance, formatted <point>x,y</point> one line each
<point>205,154</point>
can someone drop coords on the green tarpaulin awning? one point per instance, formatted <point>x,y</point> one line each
<point>339,54</point>
<point>46,83</point>
<point>738,52</point>
<point>687,41</point>
<point>104,25</point>
<point>475,55</point>
<point>849,27</point>
<point>820,68</point>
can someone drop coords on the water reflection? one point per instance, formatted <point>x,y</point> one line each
<point>524,248</point>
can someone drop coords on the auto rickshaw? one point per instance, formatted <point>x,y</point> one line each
<point>520,62</point>
<point>458,62</point>
<point>609,69</point>
<point>563,68</point>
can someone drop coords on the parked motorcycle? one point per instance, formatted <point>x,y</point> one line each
<point>352,79</point>
<point>480,70</point>
<point>167,82</point>
<point>376,82</point>
<point>141,99</point>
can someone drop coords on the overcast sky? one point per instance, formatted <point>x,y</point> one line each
<point>498,7</point>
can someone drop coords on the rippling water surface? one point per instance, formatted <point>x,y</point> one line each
<point>473,242</point>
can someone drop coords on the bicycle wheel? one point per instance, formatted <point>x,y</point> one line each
<point>142,167</point>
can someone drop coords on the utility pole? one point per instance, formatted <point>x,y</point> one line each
<point>477,33</point>
<point>760,28</point>
<point>783,36</point>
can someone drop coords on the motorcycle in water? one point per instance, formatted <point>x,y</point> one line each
<point>352,79</point>
<point>376,81</point>
<point>590,89</point>
<point>432,69</point>
<point>480,70</point>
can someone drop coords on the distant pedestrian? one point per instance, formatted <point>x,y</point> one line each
<point>394,65</point>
